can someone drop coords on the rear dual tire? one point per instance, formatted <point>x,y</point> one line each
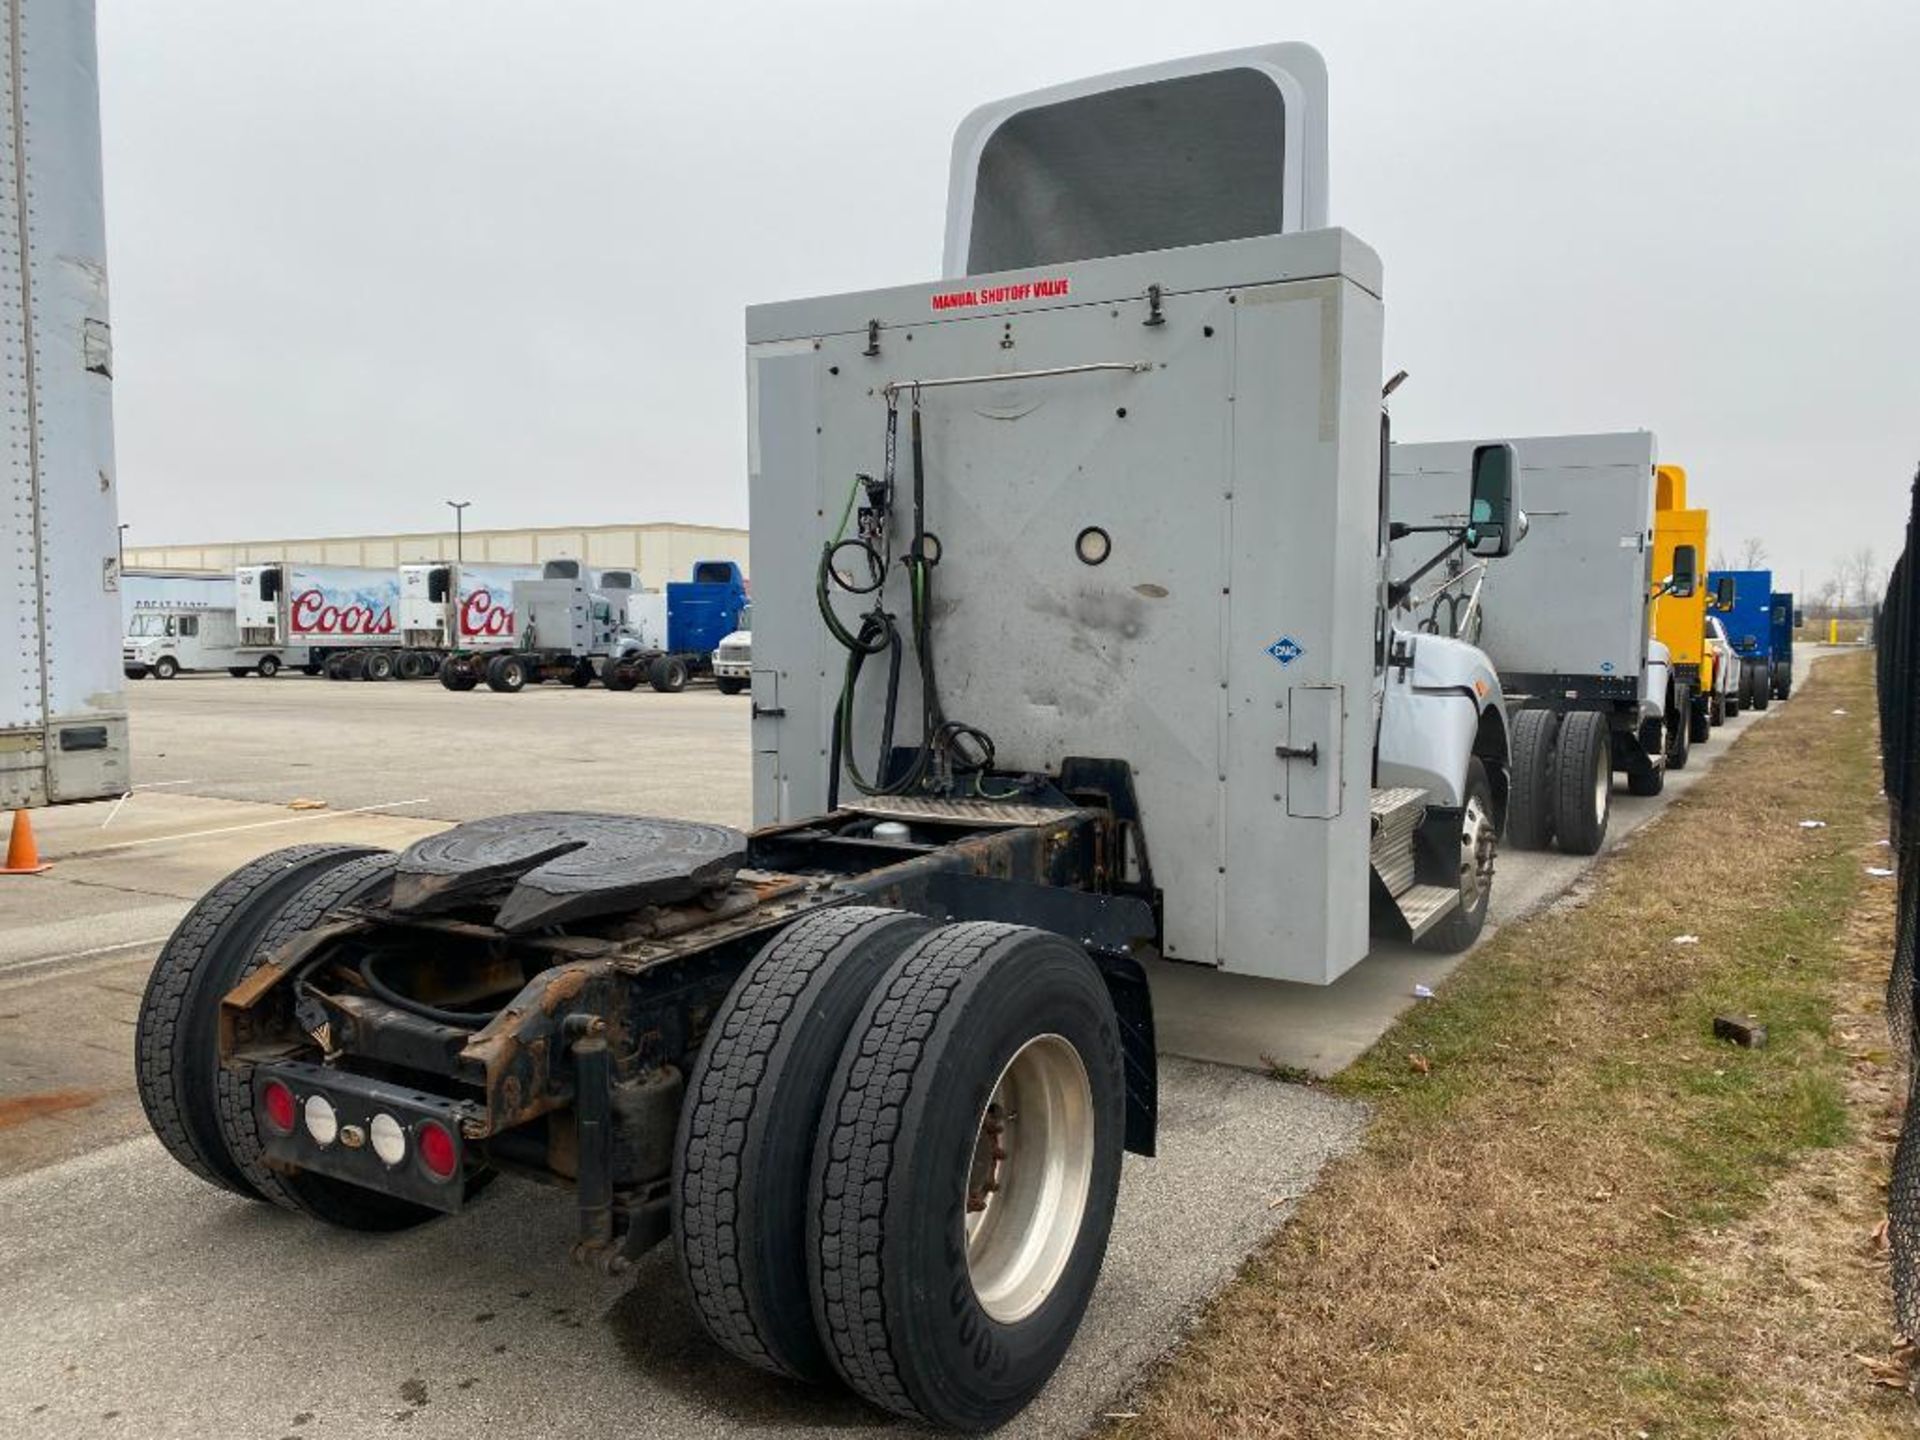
<point>1583,782</point>
<point>1531,797</point>
<point>668,675</point>
<point>960,1176</point>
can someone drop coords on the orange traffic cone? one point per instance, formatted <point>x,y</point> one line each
<point>23,856</point>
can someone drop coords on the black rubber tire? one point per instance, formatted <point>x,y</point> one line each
<point>1531,797</point>
<point>1680,735</point>
<point>507,674</point>
<point>378,665</point>
<point>410,665</point>
<point>353,665</point>
<point>582,675</point>
<point>892,1295</point>
<point>333,666</point>
<point>352,1207</point>
<point>1700,721</point>
<point>668,675</point>
<point>1760,694</point>
<point>620,675</point>
<point>743,1157</point>
<point>1648,782</point>
<point>175,1038</point>
<point>268,667</point>
<point>310,669</point>
<point>729,685</point>
<point>1441,834</point>
<point>165,668</point>
<point>457,673</point>
<point>238,672</point>
<point>1731,702</point>
<point>1584,758</point>
<point>1783,679</point>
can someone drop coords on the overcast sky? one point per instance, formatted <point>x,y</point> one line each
<point>367,255</point>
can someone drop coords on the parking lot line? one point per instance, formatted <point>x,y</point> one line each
<point>307,815</point>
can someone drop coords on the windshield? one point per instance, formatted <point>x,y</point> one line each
<point>150,624</point>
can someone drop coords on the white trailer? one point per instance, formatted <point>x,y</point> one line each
<point>331,612</point>
<point>447,605</point>
<point>166,639</point>
<point>63,719</point>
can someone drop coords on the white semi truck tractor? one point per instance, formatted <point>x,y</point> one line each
<point>1078,655</point>
<point>63,719</point>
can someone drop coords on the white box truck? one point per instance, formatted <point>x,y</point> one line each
<point>63,719</point>
<point>447,605</point>
<point>178,638</point>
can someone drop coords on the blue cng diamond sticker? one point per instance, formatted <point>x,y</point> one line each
<point>1286,650</point>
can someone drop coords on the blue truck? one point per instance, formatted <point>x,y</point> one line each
<point>1783,619</point>
<point>1750,627</point>
<point>680,629</point>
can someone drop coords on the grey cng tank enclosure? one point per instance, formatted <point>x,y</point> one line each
<point>1568,610</point>
<point>1154,479</point>
<point>63,721</point>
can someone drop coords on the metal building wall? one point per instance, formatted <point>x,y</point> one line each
<point>660,552</point>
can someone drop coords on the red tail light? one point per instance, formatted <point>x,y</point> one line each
<point>278,1106</point>
<point>437,1150</point>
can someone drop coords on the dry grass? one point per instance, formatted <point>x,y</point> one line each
<point>1577,1213</point>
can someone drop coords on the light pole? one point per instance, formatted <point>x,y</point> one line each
<point>459,529</point>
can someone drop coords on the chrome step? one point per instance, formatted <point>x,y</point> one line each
<point>1425,906</point>
<point>1397,813</point>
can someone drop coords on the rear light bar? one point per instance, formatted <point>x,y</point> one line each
<point>368,1132</point>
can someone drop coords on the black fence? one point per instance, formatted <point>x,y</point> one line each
<point>1898,639</point>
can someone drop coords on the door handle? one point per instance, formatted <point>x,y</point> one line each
<point>1308,753</point>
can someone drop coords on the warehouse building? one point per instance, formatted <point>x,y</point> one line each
<point>660,552</point>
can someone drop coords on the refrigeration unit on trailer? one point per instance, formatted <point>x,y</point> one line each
<point>1090,672</point>
<point>166,639</point>
<point>1748,617</point>
<point>1680,615</point>
<point>568,624</point>
<point>63,718</point>
<point>447,605</point>
<point>697,615</point>
<point>1567,621</point>
<point>317,617</point>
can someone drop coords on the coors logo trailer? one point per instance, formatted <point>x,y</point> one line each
<point>63,719</point>
<point>1075,656</point>
<point>316,616</point>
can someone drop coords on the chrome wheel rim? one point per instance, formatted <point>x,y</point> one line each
<point>1476,852</point>
<point>1029,1178</point>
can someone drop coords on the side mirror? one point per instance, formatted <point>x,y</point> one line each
<point>439,580</point>
<point>1799,618</point>
<point>1723,593</point>
<point>1495,523</point>
<point>1686,571</point>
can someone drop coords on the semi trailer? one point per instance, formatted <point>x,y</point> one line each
<point>1748,618</point>
<point>1589,690</point>
<point>568,625</point>
<point>332,616</point>
<point>63,716</point>
<point>1079,656</point>
<point>446,605</point>
<point>680,629</point>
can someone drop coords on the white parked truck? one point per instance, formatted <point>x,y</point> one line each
<point>63,719</point>
<point>1569,621</point>
<point>165,640</point>
<point>566,624</point>
<point>337,614</point>
<point>1096,668</point>
<point>733,656</point>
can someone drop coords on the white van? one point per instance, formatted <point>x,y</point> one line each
<point>165,640</point>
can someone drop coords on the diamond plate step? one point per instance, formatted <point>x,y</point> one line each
<point>1397,813</point>
<point>1425,906</point>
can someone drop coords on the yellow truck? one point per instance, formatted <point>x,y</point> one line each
<point>1680,620</point>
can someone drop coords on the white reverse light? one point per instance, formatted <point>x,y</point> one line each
<point>322,1124</point>
<point>389,1140</point>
